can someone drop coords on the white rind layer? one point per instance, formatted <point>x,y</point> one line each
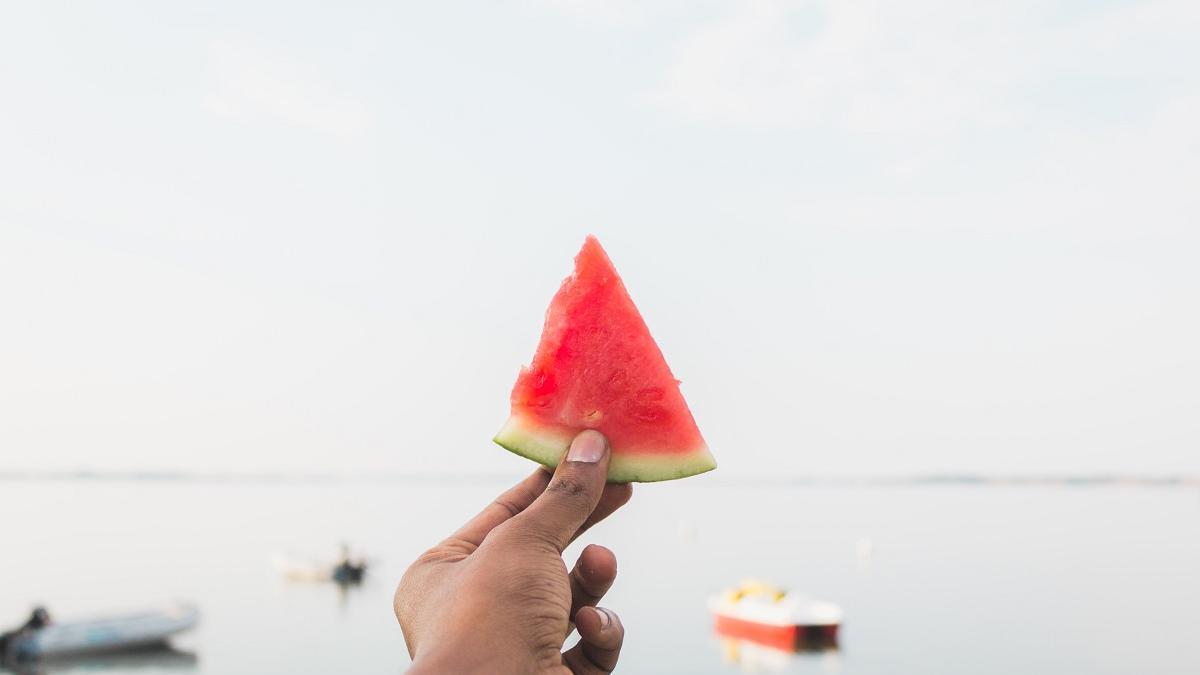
<point>547,445</point>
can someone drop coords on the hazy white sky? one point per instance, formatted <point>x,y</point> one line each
<point>871,237</point>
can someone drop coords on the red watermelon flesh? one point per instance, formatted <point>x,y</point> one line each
<point>597,367</point>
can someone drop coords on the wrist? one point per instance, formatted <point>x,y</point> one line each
<point>466,662</point>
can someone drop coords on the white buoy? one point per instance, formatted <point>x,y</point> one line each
<point>865,548</point>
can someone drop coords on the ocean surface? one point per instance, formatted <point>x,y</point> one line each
<point>933,578</point>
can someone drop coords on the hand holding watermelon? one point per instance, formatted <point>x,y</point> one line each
<point>496,597</point>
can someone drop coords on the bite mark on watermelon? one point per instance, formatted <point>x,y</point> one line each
<point>597,367</point>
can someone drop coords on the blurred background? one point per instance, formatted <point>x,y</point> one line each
<point>927,271</point>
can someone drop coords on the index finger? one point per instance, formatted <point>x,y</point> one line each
<point>515,500</point>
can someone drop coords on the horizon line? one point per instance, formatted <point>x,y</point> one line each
<point>1099,478</point>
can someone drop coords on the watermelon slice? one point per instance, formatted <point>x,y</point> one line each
<point>597,367</point>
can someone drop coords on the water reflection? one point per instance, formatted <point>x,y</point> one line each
<point>161,658</point>
<point>817,654</point>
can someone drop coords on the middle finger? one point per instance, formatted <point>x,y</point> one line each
<point>592,576</point>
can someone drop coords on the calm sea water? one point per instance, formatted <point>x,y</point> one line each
<point>959,579</point>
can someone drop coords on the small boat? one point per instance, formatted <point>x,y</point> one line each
<point>118,633</point>
<point>771,616</point>
<point>348,572</point>
<point>345,570</point>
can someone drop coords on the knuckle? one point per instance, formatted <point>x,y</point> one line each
<point>542,590</point>
<point>569,487</point>
<point>437,554</point>
<point>508,505</point>
<point>587,591</point>
<point>543,598</point>
<point>534,536</point>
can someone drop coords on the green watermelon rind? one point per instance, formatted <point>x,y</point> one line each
<point>547,445</point>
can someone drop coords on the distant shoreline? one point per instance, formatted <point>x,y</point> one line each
<point>946,479</point>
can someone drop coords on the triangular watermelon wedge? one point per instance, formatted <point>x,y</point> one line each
<point>597,367</point>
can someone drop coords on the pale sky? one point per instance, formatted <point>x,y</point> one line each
<point>870,237</point>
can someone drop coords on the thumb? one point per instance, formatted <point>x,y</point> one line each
<point>572,494</point>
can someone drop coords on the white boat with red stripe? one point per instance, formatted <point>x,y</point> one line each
<point>772,616</point>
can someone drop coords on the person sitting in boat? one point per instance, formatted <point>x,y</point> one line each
<point>10,640</point>
<point>40,618</point>
<point>495,596</point>
<point>347,571</point>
